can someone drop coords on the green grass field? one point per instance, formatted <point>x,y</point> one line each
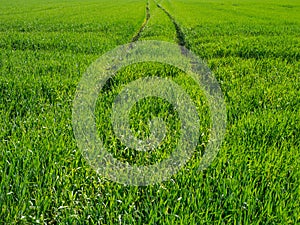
<point>252,48</point>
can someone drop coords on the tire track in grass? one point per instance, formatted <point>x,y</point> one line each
<point>138,34</point>
<point>136,37</point>
<point>179,33</point>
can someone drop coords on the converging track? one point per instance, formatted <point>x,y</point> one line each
<point>180,36</point>
<point>138,34</point>
<point>179,33</point>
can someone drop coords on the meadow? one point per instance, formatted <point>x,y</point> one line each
<point>252,48</point>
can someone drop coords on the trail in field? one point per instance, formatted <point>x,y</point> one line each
<point>158,27</point>
<point>162,24</point>
<point>138,34</point>
<point>179,33</point>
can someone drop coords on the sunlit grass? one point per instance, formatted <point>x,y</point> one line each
<point>252,49</point>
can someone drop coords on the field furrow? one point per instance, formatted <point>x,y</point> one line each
<point>147,17</point>
<point>179,32</point>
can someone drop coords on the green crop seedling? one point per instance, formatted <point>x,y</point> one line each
<point>251,47</point>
